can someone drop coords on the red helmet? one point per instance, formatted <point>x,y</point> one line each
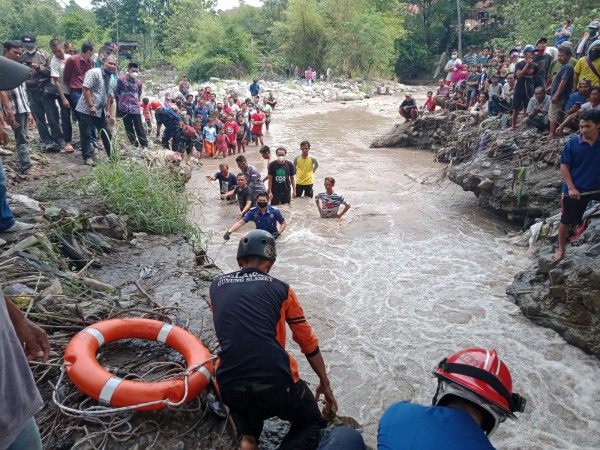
<point>481,372</point>
<point>155,104</point>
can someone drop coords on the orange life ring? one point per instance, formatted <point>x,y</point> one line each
<point>90,377</point>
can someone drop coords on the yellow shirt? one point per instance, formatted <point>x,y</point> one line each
<point>304,169</point>
<point>583,69</point>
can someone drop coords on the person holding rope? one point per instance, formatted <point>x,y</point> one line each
<point>263,215</point>
<point>257,377</point>
<point>580,169</point>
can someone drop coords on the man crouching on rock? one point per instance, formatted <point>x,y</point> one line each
<point>257,378</point>
<point>580,169</point>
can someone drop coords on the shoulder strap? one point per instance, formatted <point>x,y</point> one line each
<point>592,67</point>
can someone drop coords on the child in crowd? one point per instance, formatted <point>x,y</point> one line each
<point>147,111</point>
<point>210,133</point>
<point>241,134</point>
<point>222,144</point>
<point>429,104</point>
<point>231,131</point>
<point>258,119</point>
<point>197,139</point>
<point>186,134</point>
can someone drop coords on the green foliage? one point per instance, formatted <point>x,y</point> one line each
<point>151,197</point>
<point>527,22</point>
<point>303,35</point>
<point>414,59</point>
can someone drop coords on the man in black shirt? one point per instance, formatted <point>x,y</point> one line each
<point>282,179</point>
<point>408,108</point>
<point>526,71</point>
<point>257,377</point>
<point>243,194</point>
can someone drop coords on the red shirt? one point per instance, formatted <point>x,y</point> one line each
<point>260,117</point>
<point>146,110</point>
<point>231,129</point>
<point>75,70</point>
<point>429,105</point>
<point>221,142</point>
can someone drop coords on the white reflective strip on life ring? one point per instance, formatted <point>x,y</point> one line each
<point>164,333</point>
<point>97,334</point>
<point>204,371</point>
<point>109,389</point>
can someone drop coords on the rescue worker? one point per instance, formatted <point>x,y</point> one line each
<point>257,377</point>
<point>474,396</point>
<point>263,215</point>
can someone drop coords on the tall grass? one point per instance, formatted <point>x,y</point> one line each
<point>151,197</point>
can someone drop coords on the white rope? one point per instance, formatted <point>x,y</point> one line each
<point>105,410</point>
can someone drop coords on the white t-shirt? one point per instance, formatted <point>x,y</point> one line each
<point>450,65</point>
<point>57,67</point>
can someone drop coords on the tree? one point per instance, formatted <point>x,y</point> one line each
<point>303,35</point>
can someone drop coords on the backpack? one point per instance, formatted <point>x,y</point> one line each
<point>188,130</point>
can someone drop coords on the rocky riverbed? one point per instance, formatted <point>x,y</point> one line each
<point>516,175</point>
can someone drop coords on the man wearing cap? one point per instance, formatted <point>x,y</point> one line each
<point>588,67</point>
<point>592,34</point>
<point>526,72</point>
<point>129,94</point>
<point>15,104</point>
<point>93,106</point>
<point>543,61</point>
<point>561,89</point>
<point>39,62</point>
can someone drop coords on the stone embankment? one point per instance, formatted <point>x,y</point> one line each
<point>516,175</point>
<point>288,93</point>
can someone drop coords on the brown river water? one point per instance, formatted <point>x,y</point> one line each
<point>412,273</point>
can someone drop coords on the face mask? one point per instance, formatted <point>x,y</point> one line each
<point>31,51</point>
<point>262,204</point>
<point>105,71</point>
<point>281,158</point>
<point>518,47</point>
<point>134,75</point>
<point>182,113</point>
<point>454,56</point>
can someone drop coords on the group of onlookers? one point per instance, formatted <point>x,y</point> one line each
<point>549,86</point>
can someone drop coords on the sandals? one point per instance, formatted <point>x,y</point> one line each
<point>69,148</point>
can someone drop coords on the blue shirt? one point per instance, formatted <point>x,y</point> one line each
<point>209,134</point>
<point>407,426</point>
<point>574,98</point>
<point>170,120</point>
<point>562,38</point>
<point>201,112</point>
<point>254,89</point>
<point>267,221</point>
<point>583,160</point>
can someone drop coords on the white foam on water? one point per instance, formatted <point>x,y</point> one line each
<point>411,274</point>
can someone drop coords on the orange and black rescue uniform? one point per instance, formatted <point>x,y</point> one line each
<point>257,377</point>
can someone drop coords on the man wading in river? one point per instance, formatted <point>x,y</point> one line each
<point>257,378</point>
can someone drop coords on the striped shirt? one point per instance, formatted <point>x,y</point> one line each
<point>330,203</point>
<point>17,97</point>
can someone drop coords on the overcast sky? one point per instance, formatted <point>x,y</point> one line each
<point>221,4</point>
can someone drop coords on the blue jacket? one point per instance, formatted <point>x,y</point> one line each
<point>267,221</point>
<point>407,426</point>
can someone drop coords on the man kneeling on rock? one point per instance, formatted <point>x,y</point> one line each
<point>257,377</point>
<point>580,169</point>
<point>408,108</point>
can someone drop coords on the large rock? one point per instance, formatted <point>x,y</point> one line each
<point>565,296</point>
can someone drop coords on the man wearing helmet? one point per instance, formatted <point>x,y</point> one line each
<point>257,378</point>
<point>474,395</point>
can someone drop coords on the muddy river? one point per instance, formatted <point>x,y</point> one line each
<point>410,274</point>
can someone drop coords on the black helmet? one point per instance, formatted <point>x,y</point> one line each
<point>258,243</point>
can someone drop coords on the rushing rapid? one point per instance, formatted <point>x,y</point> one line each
<point>413,272</point>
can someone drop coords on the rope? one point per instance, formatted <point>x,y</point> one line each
<point>213,186</point>
<point>105,410</point>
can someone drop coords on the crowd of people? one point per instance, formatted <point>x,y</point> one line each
<point>547,87</point>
